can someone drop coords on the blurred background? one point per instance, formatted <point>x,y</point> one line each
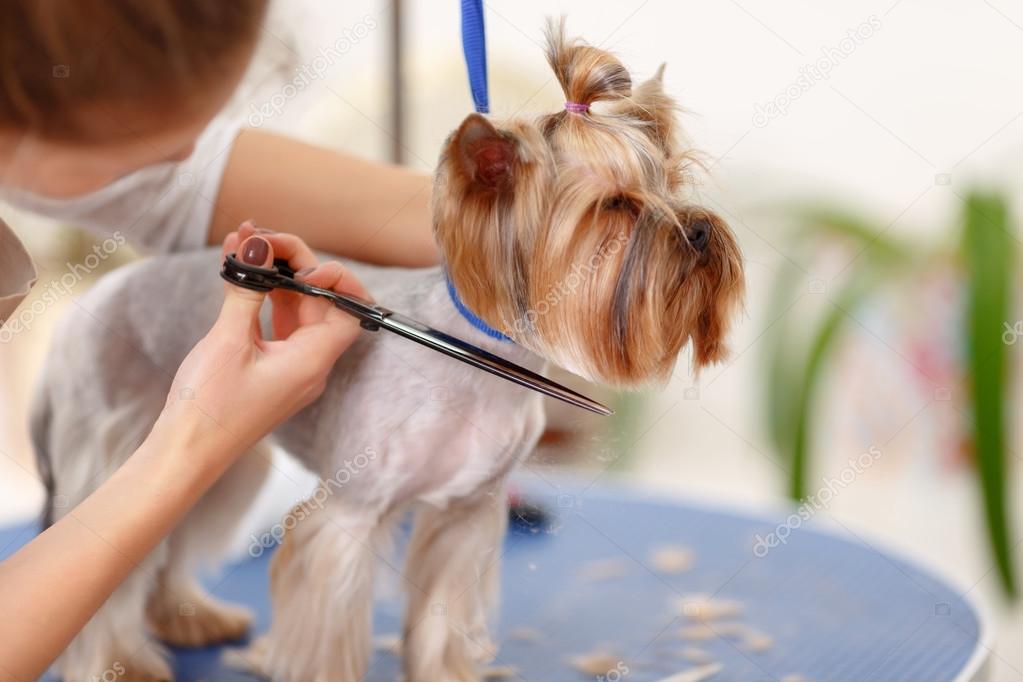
<point>867,156</point>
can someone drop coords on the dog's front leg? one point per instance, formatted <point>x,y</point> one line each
<point>321,588</point>
<point>180,611</point>
<point>453,568</point>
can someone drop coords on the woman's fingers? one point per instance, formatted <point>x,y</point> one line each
<point>317,345</point>
<point>324,331</point>
<point>241,306</point>
<point>325,276</point>
<point>336,277</point>
<point>292,249</point>
<point>291,310</point>
<point>286,246</point>
<point>231,242</point>
<point>286,304</point>
<point>246,230</point>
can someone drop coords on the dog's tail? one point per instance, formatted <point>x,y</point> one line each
<point>76,452</point>
<point>39,430</point>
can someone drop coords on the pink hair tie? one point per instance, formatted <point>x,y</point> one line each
<point>576,107</point>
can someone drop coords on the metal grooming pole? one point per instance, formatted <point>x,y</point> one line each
<point>396,50</point>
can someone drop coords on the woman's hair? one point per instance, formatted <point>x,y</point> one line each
<point>58,56</point>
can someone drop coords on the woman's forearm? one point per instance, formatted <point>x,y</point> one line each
<point>53,585</point>
<point>338,203</point>
<point>231,390</point>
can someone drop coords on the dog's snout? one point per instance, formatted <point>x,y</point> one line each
<point>698,234</point>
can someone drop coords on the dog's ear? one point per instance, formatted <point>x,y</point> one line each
<point>709,339</point>
<point>717,285</point>
<point>650,104</point>
<point>487,156</point>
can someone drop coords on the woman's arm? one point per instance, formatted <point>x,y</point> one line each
<point>55,583</point>
<point>231,390</point>
<point>338,203</point>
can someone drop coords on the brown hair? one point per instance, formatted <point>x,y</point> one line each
<point>58,56</point>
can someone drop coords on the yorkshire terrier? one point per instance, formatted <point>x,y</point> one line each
<point>570,240</point>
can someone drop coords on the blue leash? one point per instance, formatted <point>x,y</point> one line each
<point>474,44</point>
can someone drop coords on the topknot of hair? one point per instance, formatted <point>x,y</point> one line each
<point>587,74</point>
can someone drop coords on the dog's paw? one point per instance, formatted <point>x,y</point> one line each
<point>150,672</point>
<point>147,665</point>
<point>250,659</point>
<point>143,664</point>
<point>198,621</point>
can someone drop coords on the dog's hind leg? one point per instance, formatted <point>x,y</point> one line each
<point>321,588</point>
<point>83,450</point>
<point>180,611</point>
<point>116,642</point>
<point>453,567</point>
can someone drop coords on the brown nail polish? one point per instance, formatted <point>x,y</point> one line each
<point>255,250</point>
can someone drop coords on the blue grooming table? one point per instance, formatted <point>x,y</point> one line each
<point>836,607</point>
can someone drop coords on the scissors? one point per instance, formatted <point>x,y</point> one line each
<point>373,317</point>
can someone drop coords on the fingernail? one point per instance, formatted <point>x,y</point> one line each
<point>263,230</point>
<point>255,251</point>
<point>304,271</point>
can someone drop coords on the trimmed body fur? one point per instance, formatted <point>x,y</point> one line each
<point>442,436</point>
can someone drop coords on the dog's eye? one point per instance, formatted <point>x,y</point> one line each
<point>617,203</point>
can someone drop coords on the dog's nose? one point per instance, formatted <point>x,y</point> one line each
<point>698,234</point>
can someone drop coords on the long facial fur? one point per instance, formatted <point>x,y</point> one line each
<point>571,233</point>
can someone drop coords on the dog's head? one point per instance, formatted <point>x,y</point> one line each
<point>571,233</point>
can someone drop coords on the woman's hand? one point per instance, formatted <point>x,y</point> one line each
<point>235,386</point>
<point>231,390</point>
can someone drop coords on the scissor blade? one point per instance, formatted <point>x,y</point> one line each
<point>488,362</point>
<point>375,317</point>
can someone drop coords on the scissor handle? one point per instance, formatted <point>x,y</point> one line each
<point>281,276</point>
<point>251,276</point>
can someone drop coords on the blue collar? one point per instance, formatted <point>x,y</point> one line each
<point>471,317</point>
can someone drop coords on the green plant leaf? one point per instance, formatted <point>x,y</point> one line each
<point>780,358</point>
<point>795,360</point>
<point>988,248</point>
<point>822,345</point>
<point>988,252</point>
<point>878,247</point>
